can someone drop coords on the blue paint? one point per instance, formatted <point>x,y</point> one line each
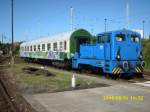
<point>104,54</point>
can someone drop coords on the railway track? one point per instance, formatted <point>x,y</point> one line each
<point>6,99</point>
<point>10,99</point>
<point>146,73</point>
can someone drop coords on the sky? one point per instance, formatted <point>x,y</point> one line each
<point>38,18</point>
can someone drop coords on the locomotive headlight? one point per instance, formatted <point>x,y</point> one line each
<point>141,56</point>
<point>118,56</point>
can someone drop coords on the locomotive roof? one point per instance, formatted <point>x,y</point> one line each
<point>123,31</point>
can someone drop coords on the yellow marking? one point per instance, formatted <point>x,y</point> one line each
<point>138,69</point>
<point>116,71</point>
<point>142,67</point>
<point>119,71</point>
<point>113,70</point>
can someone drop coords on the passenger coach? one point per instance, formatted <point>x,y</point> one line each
<point>57,49</point>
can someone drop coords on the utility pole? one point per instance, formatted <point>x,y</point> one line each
<point>71,18</point>
<point>127,15</point>
<point>105,23</point>
<point>143,28</point>
<point>12,44</point>
<point>2,38</point>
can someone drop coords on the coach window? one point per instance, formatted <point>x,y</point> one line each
<point>120,37</point>
<point>34,47</point>
<point>43,47</point>
<point>22,48</point>
<point>30,48</point>
<point>135,38</point>
<point>49,46</point>
<point>38,47</point>
<point>65,45</point>
<point>55,46</point>
<point>61,46</point>
<point>27,48</point>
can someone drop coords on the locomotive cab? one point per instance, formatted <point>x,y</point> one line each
<point>126,53</point>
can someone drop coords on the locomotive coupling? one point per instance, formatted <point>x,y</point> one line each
<point>125,64</point>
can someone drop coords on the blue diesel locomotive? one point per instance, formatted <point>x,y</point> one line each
<point>115,52</point>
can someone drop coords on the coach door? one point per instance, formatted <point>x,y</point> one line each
<point>107,46</point>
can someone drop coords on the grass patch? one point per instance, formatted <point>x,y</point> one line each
<point>29,83</point>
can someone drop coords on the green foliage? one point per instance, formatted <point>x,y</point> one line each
<point>6,47</point>
<point>32,83</point>
<point>146,51</point>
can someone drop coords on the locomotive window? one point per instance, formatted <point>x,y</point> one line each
<point>120,37</point>
<point>43,47</point>
<point>48,46</point>
<point>135,38</point>
<point>98,39</point>
<point>34,47</point>
<point>55,46</point>
<point>38,47</point>
<point>108,38</point>
<point>103,38</point>
<point>61,46</point>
